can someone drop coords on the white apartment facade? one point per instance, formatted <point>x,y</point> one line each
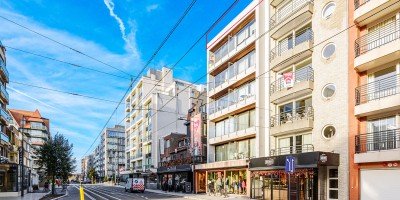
<point>236,100</point>
<point>151,114</point>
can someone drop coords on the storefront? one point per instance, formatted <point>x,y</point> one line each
<point>269,180</point>
<point>233,176</point>
<point>174,178</point>
<point>9,180</point>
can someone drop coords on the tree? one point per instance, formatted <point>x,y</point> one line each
<point>55,156</point>
<point>92,174</point>
<point>105,178</point>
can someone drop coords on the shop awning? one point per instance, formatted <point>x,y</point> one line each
<point>303,160</point>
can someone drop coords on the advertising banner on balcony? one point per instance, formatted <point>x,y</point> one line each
<point>196,130</point>
<point>288,79</point>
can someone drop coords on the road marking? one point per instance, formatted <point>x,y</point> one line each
<point>98,190</point>
<point>90,197</point>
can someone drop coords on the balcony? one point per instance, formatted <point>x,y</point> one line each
<point>230,104</point>
<point>235,75</point>
<point>367,11</point>
<point>378,97</point>
<point>139,167</point>
<point>378,47</point>
<point>4,95</point>
<point>3,71</point>
<point>292,150</point>
<point>233,135</point>
<point>147,138</point>
<point>303,84</point>
<point>127,107</point>
<point>298,120</point>
<point>4,137</point>
<point>4,116</point>
<point>380,146</point>
<point>292,51</point>
<point>290,16</point>
<point>234,46</point>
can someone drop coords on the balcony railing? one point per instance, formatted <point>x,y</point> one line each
<point>377,141</point>
<point>221,156</point>
<point>297,114</point>
<point>4,68</point>
<point>234,41</point>
<point>289,9</point>
<point>147,167</point>
<point>138,167</point>
<point>292,150</point>
<point>302,74</point>
<point>236,68</point>
<point>379,89</point>
<point>359,3</point>
<point>147,138</point>
<point>4,114</point>
<point>4,91</point>
<point>4,137</point>
<point>305,35</point>
<point>377,38</point>
<point>232,98</point>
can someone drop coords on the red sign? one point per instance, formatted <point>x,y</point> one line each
<point>196,134</point>
<point>288,79</point>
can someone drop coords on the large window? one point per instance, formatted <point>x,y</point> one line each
<point>235,150</point>
<point>381,134</point>
<point>333,183</point>
<point>235,123</point>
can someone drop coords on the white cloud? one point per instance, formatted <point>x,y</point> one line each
<point>152,7</point>
<point>110,5</point>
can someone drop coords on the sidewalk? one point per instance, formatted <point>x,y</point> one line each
<point>201,196</point>
<point>29,196</point>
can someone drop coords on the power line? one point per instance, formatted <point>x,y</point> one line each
<point>65,92</point>
<point>144,67</point>
<point>65,62</point>
<point>64,45</point>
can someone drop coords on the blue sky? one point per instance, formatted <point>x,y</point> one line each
<point>125,38</point>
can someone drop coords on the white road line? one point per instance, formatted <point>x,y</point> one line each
<point>97,190</point>
<point>90,197</point>
<point>93,192</point>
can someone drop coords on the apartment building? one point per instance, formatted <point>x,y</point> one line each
<point>236,101</point>
<point>181,152</point>
<point>151,114</point>
<point>113,143</point>
<point>98,163</point>
<point>86,164</point>
<point>374,68</point>
<point>308,82</point>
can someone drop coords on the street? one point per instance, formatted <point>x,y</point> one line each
<point>100,192</point>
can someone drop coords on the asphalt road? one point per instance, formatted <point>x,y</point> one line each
<point>99,192</point>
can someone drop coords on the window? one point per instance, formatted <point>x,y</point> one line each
<point>328,10</point>
<point>381,134</point>
<point>328,91</point>
<point>167,144</point>
<point>382,83</point>
<point>328,50</point>
<point>333,183</point>
<point>328,132</point>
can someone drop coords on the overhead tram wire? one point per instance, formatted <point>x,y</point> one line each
<point>65,62</point>
<point>262,35</point>
<point>65,92</point>
<point>64,45</point>
<point>144,67</point>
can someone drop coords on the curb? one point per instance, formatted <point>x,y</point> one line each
<point>66,194</point>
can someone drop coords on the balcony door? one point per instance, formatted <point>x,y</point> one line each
<point>382,83</point>
<point>381,33</point>
<point>382,134</point>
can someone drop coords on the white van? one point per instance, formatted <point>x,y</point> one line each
<point>135,184</point>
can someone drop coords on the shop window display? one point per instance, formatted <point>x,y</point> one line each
<point>234,182</point>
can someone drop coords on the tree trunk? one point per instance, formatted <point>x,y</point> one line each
<point>52,184</point>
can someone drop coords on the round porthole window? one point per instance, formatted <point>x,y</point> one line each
<point>328,91</point>
<point>328,10</point>
<point>328,132</point>
<point>328,50</point>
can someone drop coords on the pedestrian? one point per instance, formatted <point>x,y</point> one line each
<point>244,186</point>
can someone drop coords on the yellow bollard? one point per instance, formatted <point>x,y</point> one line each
<point>82,193</point>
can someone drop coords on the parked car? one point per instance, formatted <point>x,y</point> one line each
<point>134,184</point>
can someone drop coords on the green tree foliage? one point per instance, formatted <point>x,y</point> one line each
<point>55,156</point>
<point>92,174</point>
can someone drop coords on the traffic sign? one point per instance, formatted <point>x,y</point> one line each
<point>290,165</point>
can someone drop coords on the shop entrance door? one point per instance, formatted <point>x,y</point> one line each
<point>276,187</point>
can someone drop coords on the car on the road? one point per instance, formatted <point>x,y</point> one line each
<point>134,184</point>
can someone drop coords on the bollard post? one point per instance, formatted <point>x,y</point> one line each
<point>82,193</point>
